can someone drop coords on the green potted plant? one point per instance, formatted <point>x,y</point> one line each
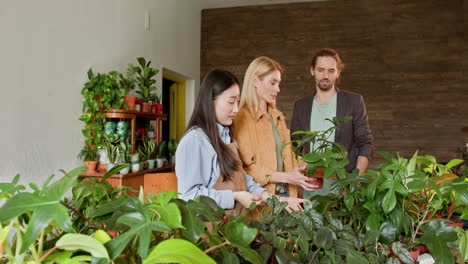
<point>111,150</point>
<point>326,157</point>
<point>89,156</point>
<point>92,117</point>
<point>161,153</point>
<point>145,80</point>
<point>172,147</point>
<point>148,147</point>
<point>124,154</point>
<point>127,84</point>
<point>112,96</point>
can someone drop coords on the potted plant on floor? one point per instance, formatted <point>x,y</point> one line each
<point>145,80</point>
<point>89,157</point>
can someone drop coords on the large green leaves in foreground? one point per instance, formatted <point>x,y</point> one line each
<point>177,251</point>
<point>436,236</point>
<point>142,225</point>
<point>44,205</point>
<point>74,242</point>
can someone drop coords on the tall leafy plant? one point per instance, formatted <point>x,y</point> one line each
<point>325,154</point>
<point>145,78</point>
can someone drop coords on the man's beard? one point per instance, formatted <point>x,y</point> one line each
<point>325,86</point>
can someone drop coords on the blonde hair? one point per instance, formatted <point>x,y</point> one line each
<point>260,67</point>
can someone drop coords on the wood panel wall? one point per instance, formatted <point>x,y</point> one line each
<point>409,59</point>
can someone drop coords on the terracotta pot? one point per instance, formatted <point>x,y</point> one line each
<point>101,167</point>
<point>153,108</point>
<point>421,248</point>
<point>129,100</point>
<point>318,178</point>
<point>415,254</point>
<point>145,107</point>
<point>91,166</point>
<point>159,108</point>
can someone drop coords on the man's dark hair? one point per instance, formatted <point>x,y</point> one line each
<point>326,52</point>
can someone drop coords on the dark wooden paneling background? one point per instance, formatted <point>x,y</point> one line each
<point>409,59</point>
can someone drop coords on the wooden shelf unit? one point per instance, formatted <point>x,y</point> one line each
<point>133,180</point>
<point>133,116</point>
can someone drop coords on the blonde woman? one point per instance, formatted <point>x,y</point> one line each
<point>260,130</point>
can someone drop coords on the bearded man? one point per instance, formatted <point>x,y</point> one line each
<point>328,101</point>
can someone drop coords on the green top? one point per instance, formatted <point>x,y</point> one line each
<point>280,188</point>
<point>318,123</point>
<point>319,113</point>
<point>279,146</point>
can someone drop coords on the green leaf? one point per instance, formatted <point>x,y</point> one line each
<point>373,221</point>
<point>371,237</point>
<point>231,258</point>
<point>453,163</point>
<point>343,246</point>
<point>194,226</point>
<point>140,223</point>
<point>74,242</point>
<point>265,251</point>
<point>324,238</point>
<point>388,232</point>
<point>389,201</point>
<point>170,215</point>
<point>463,244</point>
<point>311,157</point>
<point>239,234</point>
<point>177,251</point>
<point>355,257</point>
<point>437,235</point>
<point>349,202</point>
<point>402,253</point>
<point>250,255</point>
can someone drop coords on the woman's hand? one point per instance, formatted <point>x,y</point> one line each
<point>246,198</point>
<point>294,204</point>
<point>296,176</point>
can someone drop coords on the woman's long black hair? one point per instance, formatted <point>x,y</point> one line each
<point>204,116</point>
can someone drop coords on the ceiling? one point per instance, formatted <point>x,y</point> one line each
<point>234,3</point>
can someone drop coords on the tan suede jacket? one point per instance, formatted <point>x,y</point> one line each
<point>257,148</point>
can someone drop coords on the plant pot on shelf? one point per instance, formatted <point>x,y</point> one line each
<point>92,165</point>
<point>135,158</point>
<point>103,160</point>
<point>159,163</point>
<point>159,108</point>
<point>129,100</point>
<point>125,170</point>
<point>145,107</point>
<point>151,164</point>
<point>109,166</point>
<point>136,167</point>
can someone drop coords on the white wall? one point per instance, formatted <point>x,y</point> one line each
<point>46,48</point>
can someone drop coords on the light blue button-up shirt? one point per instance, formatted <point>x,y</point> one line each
<point>197,168</point>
